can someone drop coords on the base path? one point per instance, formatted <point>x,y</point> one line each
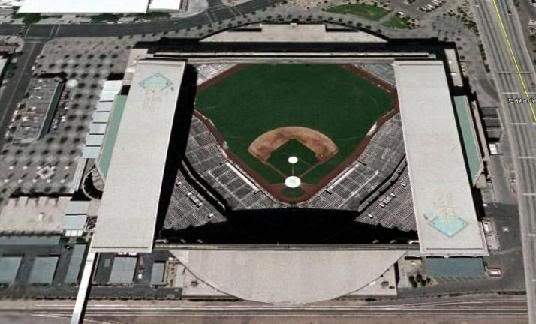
<point>263,146</point>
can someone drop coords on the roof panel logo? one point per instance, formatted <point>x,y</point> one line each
<point>449,226</point>
<point>445,217</point>
<point>156,82</point>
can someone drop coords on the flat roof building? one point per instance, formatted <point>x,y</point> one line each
<point>9,266</point>
<point>443,204</point>
<point>43,270</point>
<point>75,264</point>
<point>157,273</point>
<point>42,215</point>
<point>38,110</point>
<point>294,33</point>
<point>165,5</point>
<point>285,276</point>
<point>470,138</point>
<point>84,6</point>
<point>123,271</point>
<point>128,211</point>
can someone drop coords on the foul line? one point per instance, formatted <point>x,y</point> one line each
<point>514,59</point>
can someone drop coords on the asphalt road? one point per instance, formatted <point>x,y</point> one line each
<point>514,76</point>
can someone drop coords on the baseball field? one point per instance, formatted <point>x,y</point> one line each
<point>317,113</point>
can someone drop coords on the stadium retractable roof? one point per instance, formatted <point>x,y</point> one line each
<point>443,204</point>
<point>128,211</point>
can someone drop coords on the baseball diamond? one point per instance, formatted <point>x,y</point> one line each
<point>319,113</point>
<point>279,158</point>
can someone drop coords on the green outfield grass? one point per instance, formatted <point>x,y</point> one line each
<point>328,98</point>
<point>362,10</point>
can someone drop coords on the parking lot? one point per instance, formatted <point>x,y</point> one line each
<point>45,161</point>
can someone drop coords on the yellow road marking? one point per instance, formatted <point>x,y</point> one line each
<point>514,59</point>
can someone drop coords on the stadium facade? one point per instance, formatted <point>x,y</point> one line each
<point>170,178</point>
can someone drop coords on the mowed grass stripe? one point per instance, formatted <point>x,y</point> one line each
<point>325,97</point>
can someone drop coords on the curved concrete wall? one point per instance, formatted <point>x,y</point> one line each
<point>292,277</point>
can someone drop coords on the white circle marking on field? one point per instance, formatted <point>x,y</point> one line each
<point>292,182</point>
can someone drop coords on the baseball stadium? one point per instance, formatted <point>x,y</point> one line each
<point>276,162</point>
<point>268,137</point>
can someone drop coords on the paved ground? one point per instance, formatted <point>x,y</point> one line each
<point>89,62</point>
<point>513,73</point>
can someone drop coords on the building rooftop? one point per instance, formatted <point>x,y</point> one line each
<point>75,264</point>
<point>74,222</point>
<point>105,154</point>
<point>81,6</point>
<point>41,215</point>
<point>97,127</point>
<point>43,270</point>
<point>469,136</point>
<point>454,67</point>
<point>36,113</point>
<point>289,276</point>
<point>294,33</point>
<point>157,273</point>
<point>442,199</point>
<point>9,266</point>
<point>165,5</point>
<point>123,270</point>
<point>128,211</point>
<point>17,240</point>
<point>454,267</point>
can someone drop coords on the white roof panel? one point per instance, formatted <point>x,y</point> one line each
<point>107,95</point>
<point>77,207</point>
<point>134,179</point>
<point>112,85</point>
<point>74,222</point>
<point>165,5</point>
<point>444,207</point>
<point>105,105</point>
<point>101,116</point>
<point>94,140</point>
<point>90,152</point>
<point>97,128</point>
<point>84,6</point>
